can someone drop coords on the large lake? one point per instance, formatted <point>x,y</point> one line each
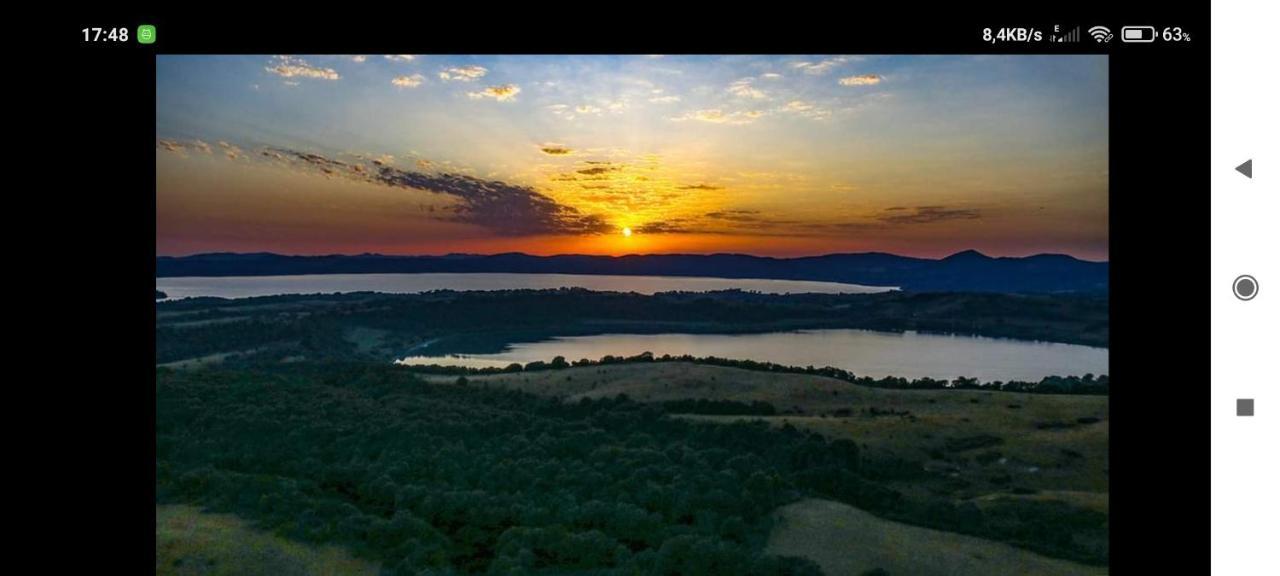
<point>249,286</point>
<point>863,352</point>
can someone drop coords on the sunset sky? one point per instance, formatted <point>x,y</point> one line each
<point>770,155</point>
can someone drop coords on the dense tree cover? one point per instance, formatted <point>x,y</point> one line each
<point>310,433</point>
<point>455,478</point>
<point>161,295</point>
<point>719,407</point>
<point>467,479</point>
<point>315,326</point>
<point>182,342</point>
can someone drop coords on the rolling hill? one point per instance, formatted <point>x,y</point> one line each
<point>964,271</point>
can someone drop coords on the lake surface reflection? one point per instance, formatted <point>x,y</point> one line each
<point>863,352</point>
<point>250,286</point>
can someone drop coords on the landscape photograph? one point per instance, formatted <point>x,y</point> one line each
<point>632,314</point>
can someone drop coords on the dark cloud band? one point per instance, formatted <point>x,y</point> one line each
<point>505,208</point>
<point>927,214</point>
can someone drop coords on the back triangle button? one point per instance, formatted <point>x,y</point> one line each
<point>1246,168</point>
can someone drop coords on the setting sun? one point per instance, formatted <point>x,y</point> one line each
<point>763,155</point>
<point>625,314</point>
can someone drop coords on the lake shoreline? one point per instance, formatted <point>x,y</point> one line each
<point>877,353</point>
<point>384,327</point>
<point>182,287</point>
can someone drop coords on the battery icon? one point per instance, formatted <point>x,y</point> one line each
<point>1138,34</point>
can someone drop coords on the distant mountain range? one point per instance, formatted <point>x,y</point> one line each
<point>964,271</point>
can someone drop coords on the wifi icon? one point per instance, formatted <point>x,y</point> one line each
<point>1101,34</point>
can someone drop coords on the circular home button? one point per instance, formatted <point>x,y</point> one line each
<point>1245,287</point>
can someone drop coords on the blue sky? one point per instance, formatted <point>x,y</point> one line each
<point>763,154</point>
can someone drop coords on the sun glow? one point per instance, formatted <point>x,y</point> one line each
<point>629,155</point>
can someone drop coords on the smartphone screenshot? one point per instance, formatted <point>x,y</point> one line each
<point>670,296</point>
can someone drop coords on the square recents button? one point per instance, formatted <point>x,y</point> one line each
<point>1244,407</point>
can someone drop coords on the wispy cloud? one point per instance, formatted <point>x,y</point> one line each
<point>927,214</point>
<point>400,57</point>
<point>669,226</point>
<point>359,58</point>
<point>744,89</point>
<point>501,93</point>
<point>820,67</point>
<point>700,187</point>
<point>806,109</point>
<point>718,116</point>
<point>294,67</point>
<point>463,73</point>
<point>746,222</point>
<point>230,150</point>
<point>598,170</point>
<point>409,81</point>
<point>669,99</point>
<point>181,147</point>
<point>860,80</point>
<point>503,208</point>
<point>562,110</point>
<point>555,150</point>
<point>735,215</point>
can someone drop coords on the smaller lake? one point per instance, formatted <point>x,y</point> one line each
<point>863,352</point>
<point>251,286</point>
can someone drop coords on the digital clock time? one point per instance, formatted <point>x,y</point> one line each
<point>106,34</point>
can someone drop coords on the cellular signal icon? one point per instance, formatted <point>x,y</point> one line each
<point>1101,33</point>
<point>1072,36</point>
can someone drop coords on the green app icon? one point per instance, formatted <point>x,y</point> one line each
<point>146,34</point>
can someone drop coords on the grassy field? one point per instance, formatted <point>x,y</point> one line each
<point>193,543</point>
<point>846,541</point>
<point>996,450</point>
<point>992,444</point>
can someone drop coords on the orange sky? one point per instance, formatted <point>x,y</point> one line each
<point>770,155</point>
